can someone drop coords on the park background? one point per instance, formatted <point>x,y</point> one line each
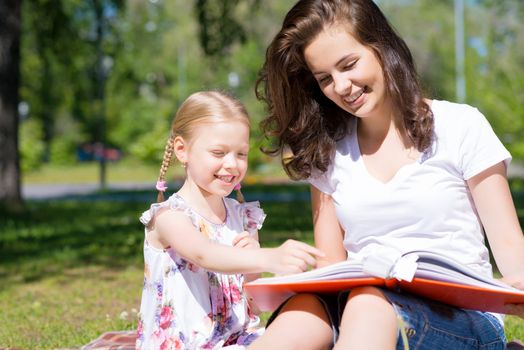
<point>99,83</point>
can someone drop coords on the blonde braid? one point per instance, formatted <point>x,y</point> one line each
<point>168,154</point>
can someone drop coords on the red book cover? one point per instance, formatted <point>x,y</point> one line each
<point>426,274</point>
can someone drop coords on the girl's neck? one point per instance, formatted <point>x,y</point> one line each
<point>207,205</point>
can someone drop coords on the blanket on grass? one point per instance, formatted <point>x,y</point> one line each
<point>115,340</point>
<point>125,340</point>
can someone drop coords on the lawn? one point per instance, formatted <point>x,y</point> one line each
<point>72,269</point>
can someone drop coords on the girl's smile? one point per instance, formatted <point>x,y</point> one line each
<point>217,157</point>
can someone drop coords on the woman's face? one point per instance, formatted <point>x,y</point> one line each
<point>348,73</point>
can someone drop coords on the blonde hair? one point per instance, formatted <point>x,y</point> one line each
<point>199,108</point>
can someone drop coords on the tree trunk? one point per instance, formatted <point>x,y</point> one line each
<point>10,194</point>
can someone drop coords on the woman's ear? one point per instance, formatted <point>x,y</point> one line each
<point>180,148</point>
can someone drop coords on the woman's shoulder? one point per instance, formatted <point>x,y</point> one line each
<point>456,119</point>
<point>453,112</point>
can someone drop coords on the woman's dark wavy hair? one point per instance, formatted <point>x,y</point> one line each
<point>305,122</point>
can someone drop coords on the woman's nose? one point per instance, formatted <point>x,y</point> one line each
<point>342,84</point>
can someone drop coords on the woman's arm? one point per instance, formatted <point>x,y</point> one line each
<point>174,229</point>
<point>329,235</point>
<point>492,197</point>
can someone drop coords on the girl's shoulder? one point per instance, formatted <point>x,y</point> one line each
<point>174,202</point>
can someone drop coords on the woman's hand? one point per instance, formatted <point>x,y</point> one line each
<point>514,309</point>
<point>245,240</point>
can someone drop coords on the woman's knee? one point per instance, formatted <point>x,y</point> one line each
<point>369,299</point>
<point>302,323</point>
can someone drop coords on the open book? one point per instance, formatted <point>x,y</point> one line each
<point>421,273</point>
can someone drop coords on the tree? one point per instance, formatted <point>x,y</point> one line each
<point>46,32</point>
<point>10,194</point>
<point>219,28</point>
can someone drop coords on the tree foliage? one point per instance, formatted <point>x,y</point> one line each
<point>219,28</point>
<point>116,70</point>
<point>494,40</point>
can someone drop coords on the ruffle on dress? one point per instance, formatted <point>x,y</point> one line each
<point>173,202</point>
<point>253,216</point>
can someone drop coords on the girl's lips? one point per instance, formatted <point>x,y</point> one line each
<point>228,179</point>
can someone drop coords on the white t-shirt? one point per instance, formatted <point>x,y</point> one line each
<point>427,204</point>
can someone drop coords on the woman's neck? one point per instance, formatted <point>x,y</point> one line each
<point>374,131</point>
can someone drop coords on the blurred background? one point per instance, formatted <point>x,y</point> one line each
<point>88,91</point>
<point>100,80</point>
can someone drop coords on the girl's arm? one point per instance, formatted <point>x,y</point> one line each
<point>175,229</point>
<point>492,197</point>
<point>329,235</point>
<point>249,241</point>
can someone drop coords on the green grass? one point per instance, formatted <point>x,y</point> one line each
<point>128,171</point>
<point>125,171</point>
<point>72,269</point>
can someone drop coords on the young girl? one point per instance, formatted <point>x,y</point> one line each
<point>391,171</point>
<point>198,243</point>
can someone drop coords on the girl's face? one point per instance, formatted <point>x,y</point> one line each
<point>348,73</point>
<point>216,156</point>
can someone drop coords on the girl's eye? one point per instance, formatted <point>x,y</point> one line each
<point>217,153</point>
<point>242,155</point>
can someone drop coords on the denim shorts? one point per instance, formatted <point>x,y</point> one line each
<point>428,325</point>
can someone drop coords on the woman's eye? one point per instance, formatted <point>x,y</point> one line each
<point>350,65</point>
<point>324,80</point>
<point>217,153</point>
<point>242,155</point>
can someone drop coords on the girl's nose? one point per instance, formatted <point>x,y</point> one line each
<point>342,84</point>
<point>230,161</point>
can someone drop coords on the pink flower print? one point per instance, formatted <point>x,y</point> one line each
<point>217,298</point>
<point>192,267</point>
<point>140,327</point>
<point>159,338</point>
<point>172,343</point>
<point>235,294</point>
<point>166,316</point>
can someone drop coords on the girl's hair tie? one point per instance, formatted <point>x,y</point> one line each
<point>161,186</point>
<point>240,196</point>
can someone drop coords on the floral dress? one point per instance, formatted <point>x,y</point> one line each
<point>186,307</point>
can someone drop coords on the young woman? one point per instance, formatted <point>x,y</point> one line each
<point>391,170</point>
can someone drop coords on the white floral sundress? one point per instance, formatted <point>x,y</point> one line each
<point>186,307</point>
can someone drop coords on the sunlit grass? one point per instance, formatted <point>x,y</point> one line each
<point>129,171</point>
<point>72,269</point>
<point>89,172</point>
